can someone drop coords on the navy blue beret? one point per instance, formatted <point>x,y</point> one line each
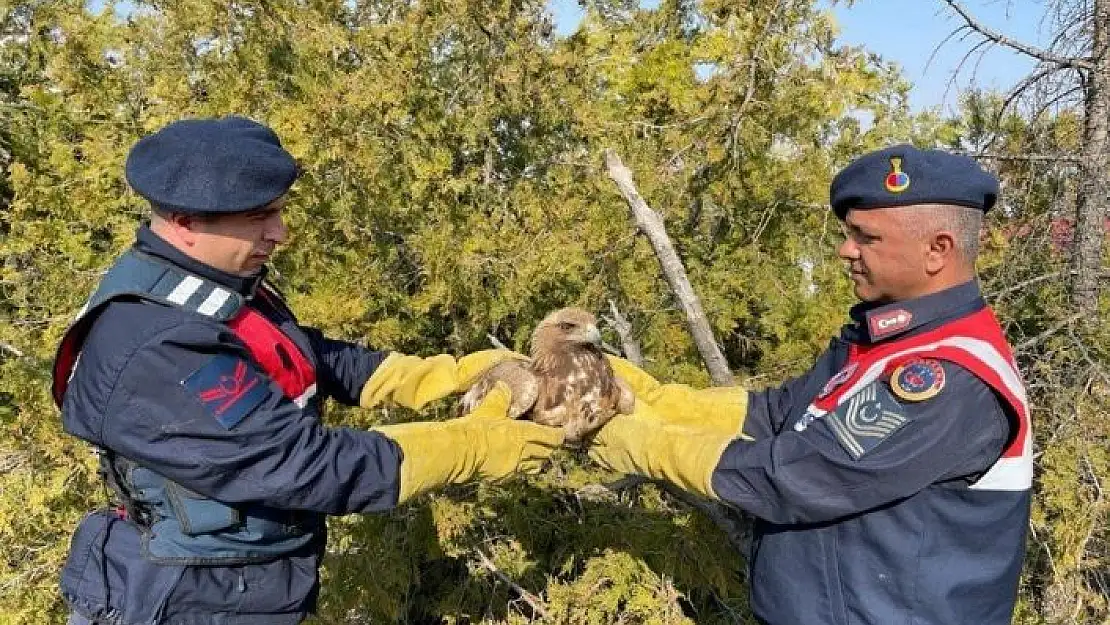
<point>903,175</point>
<point>226,165</point>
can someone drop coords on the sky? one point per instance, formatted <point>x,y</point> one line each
<point>908,32</point>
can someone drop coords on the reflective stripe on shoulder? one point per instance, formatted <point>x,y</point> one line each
<point>1014,473</point>
<point>1009,473</point>
<point>978,348</point>
<point>213,302</point>
<point>184,290</point>
<point>202,297</point>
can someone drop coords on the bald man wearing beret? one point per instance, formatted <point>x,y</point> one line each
<point>890,482</point>
<point>201,393</point>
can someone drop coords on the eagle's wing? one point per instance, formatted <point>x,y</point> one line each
<point>581,395</point>
<point>626,397</point>
<point>516,375</point>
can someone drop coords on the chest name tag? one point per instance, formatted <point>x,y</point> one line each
<point>866,420</point>
<point>229,388</point>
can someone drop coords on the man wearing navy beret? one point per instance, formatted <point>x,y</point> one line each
<point>890,482</point>
<point>202,394</point>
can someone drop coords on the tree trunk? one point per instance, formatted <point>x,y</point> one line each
<point>651,225</point>
<point>1094,169</point>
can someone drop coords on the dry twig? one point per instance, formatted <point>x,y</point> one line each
<point>495,342</point>
<point>1024,48</point>
<point>1036,340</point>
<point>651,224</point>
<point>623,327</point>
<point>12,350</point>
<point>532,600</point>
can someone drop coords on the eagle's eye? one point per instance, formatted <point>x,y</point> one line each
<point>566,326</point>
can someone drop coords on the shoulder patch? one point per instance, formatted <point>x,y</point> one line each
<point>866,420</point>
<point>918,380</point>
<point>228,387</point>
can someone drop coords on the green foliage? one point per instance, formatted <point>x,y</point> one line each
<point>453,188</point>
<point>1025,272</point>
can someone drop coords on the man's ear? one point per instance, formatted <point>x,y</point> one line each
<point>184,227</point>
<point>940,253</point>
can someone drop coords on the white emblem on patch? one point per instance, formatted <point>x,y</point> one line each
<point>869,417</point>
<point>807,419</point>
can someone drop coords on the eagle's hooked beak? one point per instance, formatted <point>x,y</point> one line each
<point>592,335</point>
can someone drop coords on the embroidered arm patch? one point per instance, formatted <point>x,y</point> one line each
<point>866,420</point>
<point>918,380</point>
<point>228,387</point>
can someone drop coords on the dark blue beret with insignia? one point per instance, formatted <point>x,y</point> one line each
<point>903,175</point>
<point>226,165</point>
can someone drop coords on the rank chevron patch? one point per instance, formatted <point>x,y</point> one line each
<point>866,420</point>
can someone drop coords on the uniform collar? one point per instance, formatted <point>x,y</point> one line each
<point>147,242</point>
<point>874,324</point>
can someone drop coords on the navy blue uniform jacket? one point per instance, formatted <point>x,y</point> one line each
<point>126,395</point>
<point>897,535</point>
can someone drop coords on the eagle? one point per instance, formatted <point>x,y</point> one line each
<point>566,382</point>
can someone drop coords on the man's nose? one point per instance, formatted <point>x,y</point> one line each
<point>848,250</point>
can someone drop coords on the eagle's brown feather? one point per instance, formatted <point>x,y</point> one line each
<point>517,376</point>
<point>566,383</point>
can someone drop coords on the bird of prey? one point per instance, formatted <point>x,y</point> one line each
<point>566,382</point>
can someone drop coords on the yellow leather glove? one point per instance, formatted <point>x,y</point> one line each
<point>685,457</point>
<point>484,444</point>
<point>719,409</point>
<point>412,381</point>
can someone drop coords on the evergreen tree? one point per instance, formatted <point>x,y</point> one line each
<point>453,188</point>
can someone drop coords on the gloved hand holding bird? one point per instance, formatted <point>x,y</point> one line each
<point>566,382</point>
<point>570,389</point>
<point>566,386</point>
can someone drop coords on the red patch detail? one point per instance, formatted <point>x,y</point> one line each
<point>228,387</point>
<point>64,363</point>
<point>982,325</point>
<point>276,353</point>
<point>889,322</point>
<point>838,379</point>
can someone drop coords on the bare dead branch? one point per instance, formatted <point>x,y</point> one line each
<point>652,226</point>
<point>936,49</point>
<point>971,52</point>
<point>1040,338</point>
<point>1013,95</point>
<point>1052,158</point>
<point>532,600</point>
<point>1053,101</point>
<point>12,350</point>
<point>1024,283</point>
<point>1024,48</point>
<point>623,327</point>
<point>495,342</point>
